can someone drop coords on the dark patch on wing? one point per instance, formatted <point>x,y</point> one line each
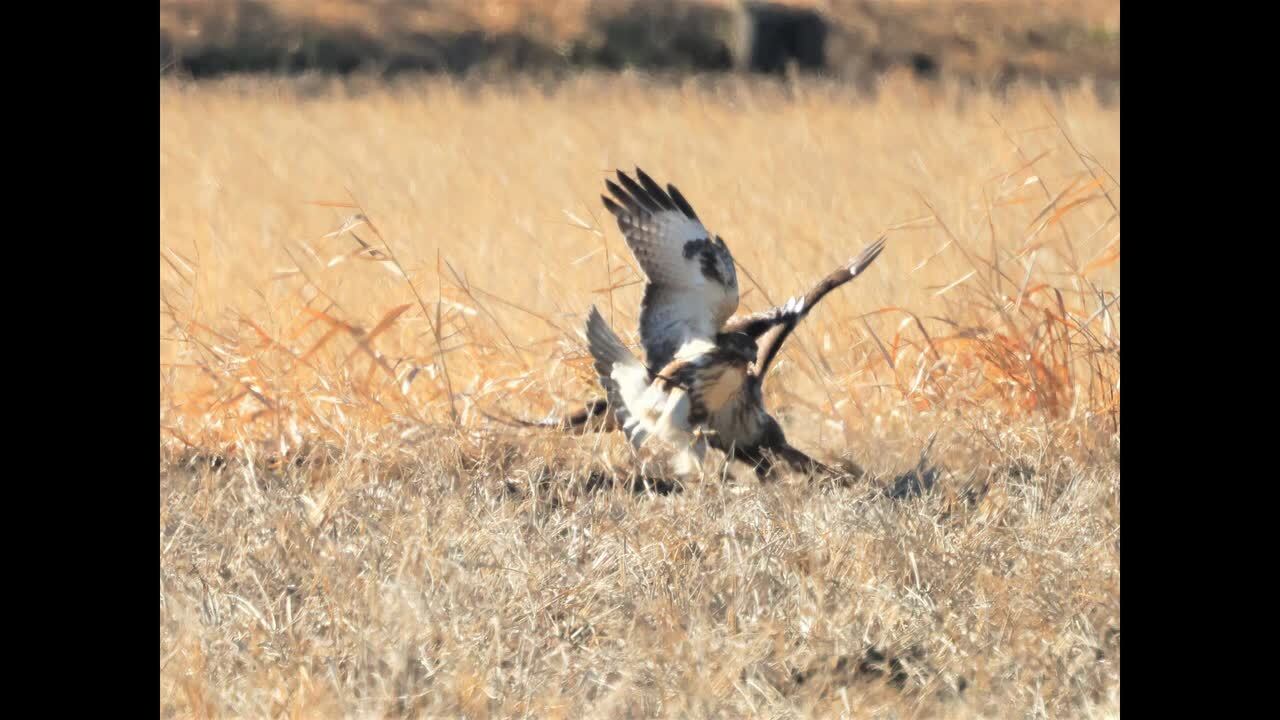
<point>706,253</point>
<point>694,247</point>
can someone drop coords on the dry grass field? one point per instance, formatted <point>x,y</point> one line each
<point>350,280</point>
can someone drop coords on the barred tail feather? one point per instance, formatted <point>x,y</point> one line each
<point>623,377</point>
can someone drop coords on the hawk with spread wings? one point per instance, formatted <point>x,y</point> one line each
<point>688,332</point>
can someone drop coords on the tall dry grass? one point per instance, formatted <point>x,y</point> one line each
<point>348,278</point>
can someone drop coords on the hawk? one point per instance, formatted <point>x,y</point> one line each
<point>672,404</point>
<point>690,297</point>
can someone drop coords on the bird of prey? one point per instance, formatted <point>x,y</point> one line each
<point>673,403</point>
<point>689,300</point>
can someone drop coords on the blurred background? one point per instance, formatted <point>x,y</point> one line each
<point>983,42</point>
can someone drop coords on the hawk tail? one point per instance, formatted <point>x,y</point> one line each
<point>607,350</point>
<point>622,376</point>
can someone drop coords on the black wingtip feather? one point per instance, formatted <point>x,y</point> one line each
<point>645,195</point>
<point>621,195</point>
<point>614,208</point>
<point>639,193</point>
<point>655,190</point>
<point>681,203</point>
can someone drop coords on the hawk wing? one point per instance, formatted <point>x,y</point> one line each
<point>692,286</point>
<point>775,324</point>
